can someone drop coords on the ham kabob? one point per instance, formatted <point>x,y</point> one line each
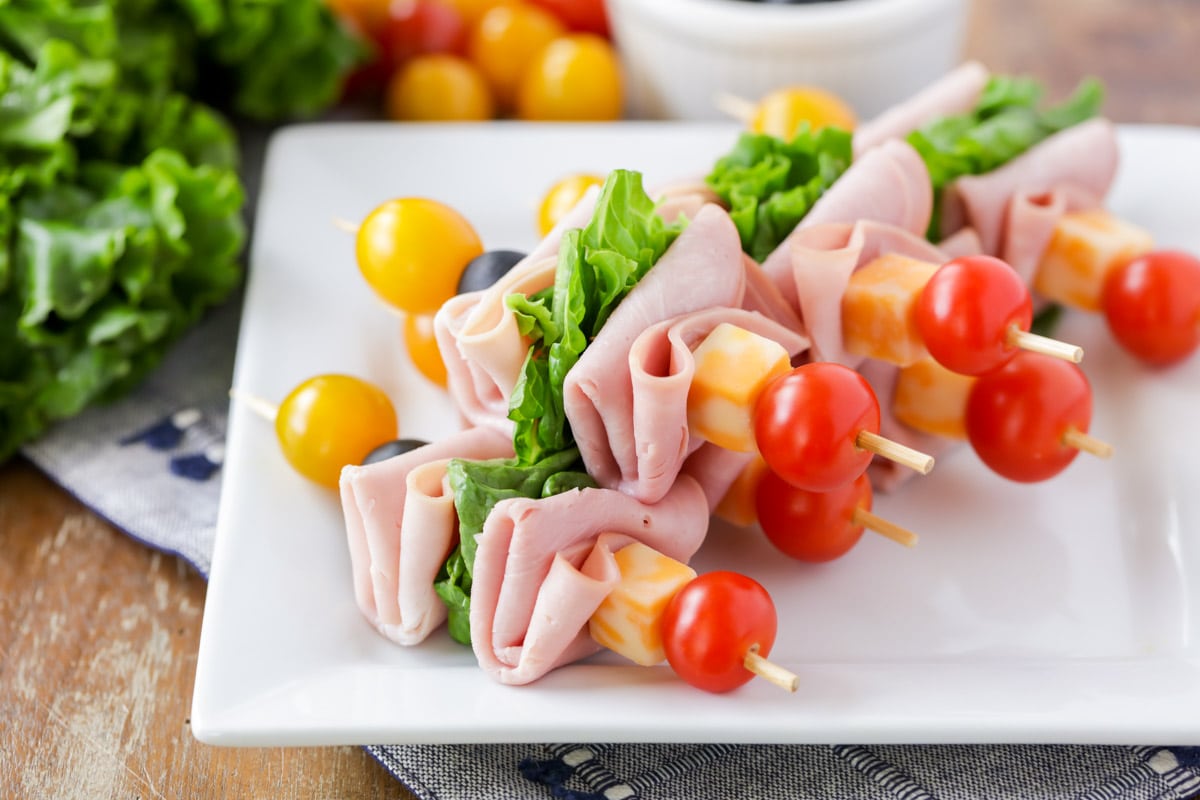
<point>502,522</point>
<point>855,265</point>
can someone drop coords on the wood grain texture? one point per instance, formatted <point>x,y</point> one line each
<point>98,639</point>
<point>98,634</point>
<point>1143,50</point>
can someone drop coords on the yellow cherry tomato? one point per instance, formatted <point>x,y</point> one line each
<point>330,421</point>
<point>422,348</point>
<point>413,250</point>
<point>438,87</point>
<point>506,40</point>
<point>782,111</point>
<point>562,197</point>
<point>575,77</point>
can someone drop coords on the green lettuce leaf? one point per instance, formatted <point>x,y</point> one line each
<point>120,210</point>
<point>106,273</point>
<point>478,486</point>
<point>1004,124</point>
<point>597,267</point>
<point>770,184</point>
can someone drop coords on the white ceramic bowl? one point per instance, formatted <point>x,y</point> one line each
<point>680,54</point>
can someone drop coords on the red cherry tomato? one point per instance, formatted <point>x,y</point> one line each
<point>1152,305</point>
<point>422,27</point>
<point>806,424</point>
<point>811,526</point>
<point>370,76</point>
<point>712,623</point>
<point>966,310</point>
<point>587,16</point>
<point>1018,414</point>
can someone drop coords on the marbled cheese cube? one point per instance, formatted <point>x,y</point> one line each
<point>932,399</point>
<point>877,309</point>
<point>1085,248</point>
<point>629,621</point>
<point>733,366</point>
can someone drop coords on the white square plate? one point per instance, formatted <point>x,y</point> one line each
<point>1061,612</point>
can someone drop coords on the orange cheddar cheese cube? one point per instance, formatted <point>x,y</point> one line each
<point>1085,248</point>
<point>629,621</point>
<point>932,399</point>
<point>733,366</point>
<point>737,506</point>
<point>878,309</point>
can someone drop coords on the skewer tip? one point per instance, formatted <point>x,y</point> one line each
<point>770,671</point>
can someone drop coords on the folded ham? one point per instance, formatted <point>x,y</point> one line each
<point>542,568</point>
<point>890,184</point>
<point>401,525</point>
<point>648,428</point>
<point>1014,209</point>
<point>824,257</point>
<point>477,334</point>
<point>955,93</point>
<point>701,269</point>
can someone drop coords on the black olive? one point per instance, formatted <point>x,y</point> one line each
<point>487,268</point>
<point>391,449</point>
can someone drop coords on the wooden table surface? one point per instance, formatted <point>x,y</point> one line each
<point>98,634</point>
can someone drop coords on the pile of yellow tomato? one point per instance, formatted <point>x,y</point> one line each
<point>464,60</point>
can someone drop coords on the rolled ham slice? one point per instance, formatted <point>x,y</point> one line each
<point>401,525</point>
<point>477,335</point>
<point>684,199</point>
<point>955,93</point>
<point>889,185</point>
<point>652,430</point>
<point>763,296</point>
<point>482,347</point>
<point>1014,209</point>
<point>536,581</point>
<point>824,257</point>
<point>701,269</point>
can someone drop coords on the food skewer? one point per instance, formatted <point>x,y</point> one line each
<point>1080,440</point>
<point>345,225</point>
<point>820,526</point>
<point>658,605</point>
<point>1029,419</point>
<point>974,315</point>
<point>817,427</point>
<point>894,451</point>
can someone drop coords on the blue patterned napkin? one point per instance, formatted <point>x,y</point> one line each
<point>151,465</point>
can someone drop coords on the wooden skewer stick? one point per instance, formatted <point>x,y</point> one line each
<point>1073,437</point>
<point>884,527</point>
<point>264,408</point>
<point>769,670</point>
<point>345,225</point>
<point>894,451</point>
<point>1036,343</point>
<point>739,108</point>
